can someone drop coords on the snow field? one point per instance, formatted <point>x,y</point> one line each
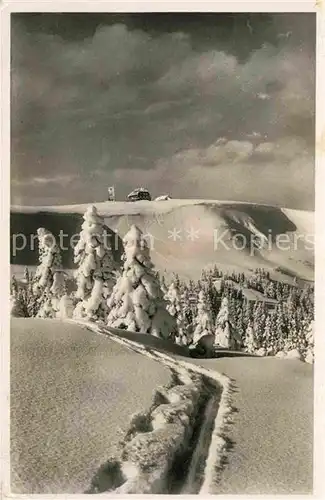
<point>72,394</point>
<point>270,439</point>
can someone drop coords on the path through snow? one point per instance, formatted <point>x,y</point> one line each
<point>272,431</point>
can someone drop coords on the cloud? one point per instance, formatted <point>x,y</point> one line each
<point>123,101</point>
<point>265,173</point>
<point>62,180</point>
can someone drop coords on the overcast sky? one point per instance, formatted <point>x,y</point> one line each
<point>206,106</point>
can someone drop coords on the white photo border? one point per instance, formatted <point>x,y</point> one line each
<point>130,6</point>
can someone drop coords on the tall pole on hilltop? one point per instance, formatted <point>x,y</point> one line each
<point>111,193</point>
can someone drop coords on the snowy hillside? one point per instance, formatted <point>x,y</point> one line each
<point>73,393</point>
<point>72,396</point>
<point>187,235</point>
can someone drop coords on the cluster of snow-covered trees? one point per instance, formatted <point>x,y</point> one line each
<point>137,298</point>
<point>219,308</point>
<point>129,298</point>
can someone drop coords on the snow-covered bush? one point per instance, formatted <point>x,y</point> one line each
<point>294,354</point>
<point>163,197</point>
<point>66,307</point>
<point>202,321</point>
<point>95,275</point>
<point>309,356</point>
<point>49,281</point>
<point>137,302</point>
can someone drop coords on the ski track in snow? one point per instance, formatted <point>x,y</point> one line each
<point>218,444</point>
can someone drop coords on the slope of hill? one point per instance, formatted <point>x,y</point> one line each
<point>72,390</point>
<point>188,235</point>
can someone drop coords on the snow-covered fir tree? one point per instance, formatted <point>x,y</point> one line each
<point>137,302</point>
<point>202,321</point>
<point>239,325</point>
<point>248,313</point>
<point>213,297</point>
<point>250,341</point>
<point>259,318</point>
<point>49,280</point>
<point>309,352</point>
<point>23,301</point>
<point>95,275</point>
<point>267,338</point>
<point>16,304</point>
<point>226,335</point>
<point>26,275</point>
<point>163,285</point>
<point>13,286</point>
<point>281,332</point>
<point>187,307</point>
<point>175,308</point>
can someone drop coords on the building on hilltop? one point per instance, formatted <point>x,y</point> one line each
<point>139,194</point>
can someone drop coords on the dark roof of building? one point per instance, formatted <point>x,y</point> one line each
<point>254,295</point>
<point>138,191</point>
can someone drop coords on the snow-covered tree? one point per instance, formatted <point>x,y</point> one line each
<point>248,312</point>
<point>49,280</point>
<point>213,297</point>
<point>17,309</point>
<point>267,337</point>
<point>202,321</point>
<point>225,333</point>
<point>23,301</point>
<point>175,308</point>
<point>13,286</point>
<point>26,275</point>
<point>187,308</point>
<point>137,302</point>
<point>96,268</point>
<point>280,328</point>
<point>293,340</point>
<point>250,341</point>
<point>239,325</point>
<point>259,318</point>
<point>163,285</point>
<point>309,352</point>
